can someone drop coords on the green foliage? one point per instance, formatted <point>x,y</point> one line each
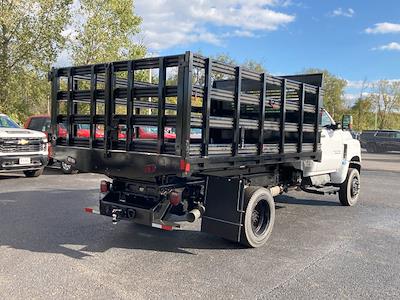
<point>248,64</point>
<point>333,92</point>
<point>386,101</point>
<point>30,40</point>
<point>106,32</point>
<point>254,66</point>
<point>362,115</point>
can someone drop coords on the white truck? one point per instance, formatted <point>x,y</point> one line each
<point>340,165</point>
<point>258,136</point>
<point>21,149</point>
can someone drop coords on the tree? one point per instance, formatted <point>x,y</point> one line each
<point>30,40</point>
<point>386,100</point>
<point>254,66</point>
<point>361,111</point>
<point>106,32</point>
<point>333,91</point>
<point>250,64</point>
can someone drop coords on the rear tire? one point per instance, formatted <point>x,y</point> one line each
<point>350,189</point>
<point>68,169</point>
<point>34,173</point>
<point>259,217</point>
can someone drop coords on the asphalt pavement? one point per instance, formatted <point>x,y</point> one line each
<point>51,249</point>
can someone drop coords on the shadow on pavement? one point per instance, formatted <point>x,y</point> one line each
<point>54,222</point>
<point>11,176</point>
<point>285,199</point>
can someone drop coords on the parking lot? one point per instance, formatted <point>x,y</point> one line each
<point>49,248</point>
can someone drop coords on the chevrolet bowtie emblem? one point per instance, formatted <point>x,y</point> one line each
<point>23,142</point>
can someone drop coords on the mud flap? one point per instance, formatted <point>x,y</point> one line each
<point>224,208</point>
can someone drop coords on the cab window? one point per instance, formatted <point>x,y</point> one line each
<point>383,134</point>
<point>325,119</point>
<point>6,122</point>
<point>36,124</point>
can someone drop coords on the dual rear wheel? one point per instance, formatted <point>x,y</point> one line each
<point>259,217</point>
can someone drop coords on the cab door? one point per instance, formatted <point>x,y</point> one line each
<point>331,145</point>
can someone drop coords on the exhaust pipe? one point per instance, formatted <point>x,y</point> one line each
<point>195,214</point>
<point>276,190</point>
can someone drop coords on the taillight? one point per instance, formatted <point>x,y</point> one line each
<point>184,166</point>
<point>104,186</point>
<point>174,198</point>
<point>150,169</point>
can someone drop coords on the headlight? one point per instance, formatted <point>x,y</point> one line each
<point>43,144</point>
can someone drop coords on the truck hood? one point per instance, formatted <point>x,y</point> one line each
<point>20,133</point>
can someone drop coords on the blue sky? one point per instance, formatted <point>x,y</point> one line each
<point>355,40</point>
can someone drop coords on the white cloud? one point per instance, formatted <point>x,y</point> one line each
<point>168,23</point>
<point>351,98</point>
<point>356,84</point>
<point>389,47</point>
<point>241,33</point>
<point>340,12</point>
<point>381,28</point>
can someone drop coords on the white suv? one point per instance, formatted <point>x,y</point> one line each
<point>21,149</point>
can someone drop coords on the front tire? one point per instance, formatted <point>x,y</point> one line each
<point>350,189</point>
<point>68,169</point>
<point>34,173</point>
<point>259,217</point>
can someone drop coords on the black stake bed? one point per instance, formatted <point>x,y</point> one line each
<point>196,116</point>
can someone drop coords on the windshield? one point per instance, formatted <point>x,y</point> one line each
<point>6,122</point>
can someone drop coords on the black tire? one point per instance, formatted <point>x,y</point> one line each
<point>68,169</point>
<point>34,173</point>
<point>350,188</point>
<point>259,217</point>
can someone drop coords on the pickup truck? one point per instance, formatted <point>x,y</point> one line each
<point>376,141</point>
<point>21,149</point>
<point>238,139</point>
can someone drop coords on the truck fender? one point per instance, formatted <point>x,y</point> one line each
<point>340,175</point>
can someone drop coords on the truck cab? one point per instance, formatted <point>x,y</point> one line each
<point>340,154</point>
<point>21,149</point>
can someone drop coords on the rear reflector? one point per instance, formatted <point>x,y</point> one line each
<point>163,227</point>
<point>91,210</point>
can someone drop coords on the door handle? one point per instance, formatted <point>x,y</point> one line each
<point>323,135</point>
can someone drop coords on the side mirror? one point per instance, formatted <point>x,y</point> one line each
<point>335,126</point>
<point>347,122</point>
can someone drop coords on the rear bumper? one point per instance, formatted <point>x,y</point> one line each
<point>11,163</point>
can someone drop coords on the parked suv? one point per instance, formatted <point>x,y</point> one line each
<point>21,149</point>
<point>42,123</point>
<point>376,141</point>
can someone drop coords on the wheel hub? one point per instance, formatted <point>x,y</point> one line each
<point>260,218</point>
<point>66,166</point>
<point>355,187</point>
